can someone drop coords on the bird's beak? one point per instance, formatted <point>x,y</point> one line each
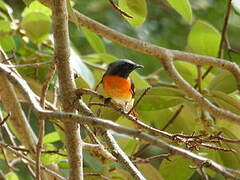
<point>138,66</point>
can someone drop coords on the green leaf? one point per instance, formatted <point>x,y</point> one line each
<point>7,43</point>
<point>138,80</point>
<point>183,7</point>
<point>100,57</point>
<point>187,71</point>
<point>37,26</point>
<point>178,165</point>
<point>6,8</point>
<point>81,69</point>
<point>149,172</point>
<point>51,137</point>
<point>223,81</point>
<point>230,159</point>
<point>131,146</point>
<point>136,8</point>
<point>204,39</point>
<point>63,164</point>
<point>11,176</point>
<point>236,6</point>
<point>52,158</point>
<point>225,101</point>
<point>28,2</point>
<point>185,122</point>
<point>36,6</point>
<point>5,28</point>
<point>94,40</point>
<point>92,162</point>
<point>159,98</point>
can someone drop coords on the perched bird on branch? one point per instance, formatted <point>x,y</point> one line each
<point>116,82</point>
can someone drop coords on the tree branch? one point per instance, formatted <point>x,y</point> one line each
<point>148,48</point>
<point>21,84</point>
<point>32,162</point>
<point>67,86</point>
<point>194,94</point>
<point>108,124</point>
<point>18,119</point>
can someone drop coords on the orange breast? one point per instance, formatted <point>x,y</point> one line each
<point>117,87</point>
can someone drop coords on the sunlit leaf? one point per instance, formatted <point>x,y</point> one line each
<point>99,57</point>
<point>11,176</point>
<point>225,101</point>
<point>5,27</point>
<point>236,6</point>
<point>183,7</point>
<point>36,6</point>
<point>187,71</point>
<point>131,146</point>
<point>204,39</point>
<point>51,137</point>
<point>230,159</point>
<point>52,158</point>
<point>48,158</point>
<point>7,43</point>
<point>37,26</point>
<point>223,81</point>
<point>159,98</point>
<point>179,165</point>
<point>63,164</point>
<point>185,122</point>
<point>94,40</point>
<point>136,8</point>
<point>149,172</point>
<point>138,80</point>
<point>81,69</point>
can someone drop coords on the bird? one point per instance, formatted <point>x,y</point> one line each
<point>116,82</point>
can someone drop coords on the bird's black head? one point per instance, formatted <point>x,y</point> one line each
<point>122,68</point>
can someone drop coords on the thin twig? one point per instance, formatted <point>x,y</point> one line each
<point>45,86</point>
<point>139,99</point>
<point>141,135</point>
<point>149,159</point>
<point>120,10</point>
<point>5,119</point>
<point>36,65</point>
<point>50,74</point>
<point>217,148</point>
<point>32,162</point>
<point>223,37</point>
<point>175,115</point>
<point>100,149</point>
<point>178,137</point>
<point>140,151</point>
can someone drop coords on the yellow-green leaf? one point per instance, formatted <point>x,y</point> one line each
<point>37,26</point>
<point>178,165</point>
<point>204,39</point>
<point>224,81</point>
<point>36,6</point>
<point>7,43</point>
<point>183,7</point>
<point>94,40</point>
<point>136,8</point>
<point>11,176</point>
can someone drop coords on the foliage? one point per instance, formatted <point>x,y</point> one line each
<point>182,24</point>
